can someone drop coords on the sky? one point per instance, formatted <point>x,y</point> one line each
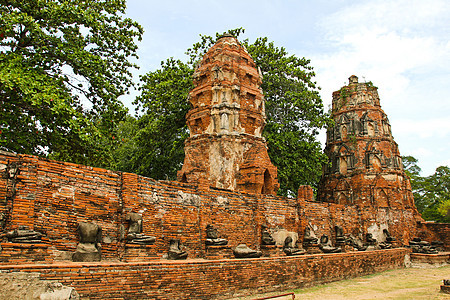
<point>403,47</point>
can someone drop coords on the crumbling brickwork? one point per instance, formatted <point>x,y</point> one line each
<point>440,231</point>
<point>220,279</point>
<point>365,164</point>
<point>225,147</point>
<point>56,196</point>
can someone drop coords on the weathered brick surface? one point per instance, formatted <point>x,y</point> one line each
<point>225,147</point>
<point>366,167</point>
<point>441,232</point>
<point>366,170</point>
<point>15,253</point>
<point>58,195</point>
<point>218,279</point>
<point>434,259</point>
<point>227,181</point>
<point>9,168</point>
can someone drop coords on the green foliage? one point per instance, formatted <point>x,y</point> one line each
<point>294,113</point>
<point>126,146</point>
<point>431,193</point>
<point>410,166</point>
<point>63,65</point>
<point>435,195</point>
<point>370,85</point>
<point>344,92</point>
<point>444,210</point>
<point>157,148</point>
<point>293,107</point>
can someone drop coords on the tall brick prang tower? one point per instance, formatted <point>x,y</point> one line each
<point>225,148</point>
<point>366,166</point>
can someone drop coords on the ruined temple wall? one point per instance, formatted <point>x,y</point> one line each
<point>173,210</point>
<point>52,197</point>
<point>358,220</point>
<point>202,279</point>
<point>440,231</point>
<point>167,212</point>
<point>322,217</point>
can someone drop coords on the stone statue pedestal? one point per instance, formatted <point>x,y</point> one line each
<point>137,253</point>
<point>445,289</point>
<point>272,250</point>
<point>312,248</point>
<point>372,248</point>
<point>219,252</point>
<point>86,256</point>
<point>87,252</point>
<point>342,245</point>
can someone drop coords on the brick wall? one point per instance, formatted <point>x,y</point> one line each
<point>220,279</point>
<point>441,231</point>
<point>52,197</point>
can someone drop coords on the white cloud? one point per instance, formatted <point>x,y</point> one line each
<point>398,15</point>
<point>403,47</point>
<point>428,128</point>
<point>386,58</point>
<point>421,152</point>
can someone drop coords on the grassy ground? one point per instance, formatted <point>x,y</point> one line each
<point>411,283</point>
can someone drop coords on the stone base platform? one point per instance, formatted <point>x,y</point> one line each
<point>442,258</point>
<point>136,252</point>
<point>312,249</point>
<point>219,252</point>
<point>210,279</point>
<point>272,250</point>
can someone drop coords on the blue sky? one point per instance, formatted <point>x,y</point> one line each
<point>403,47</point>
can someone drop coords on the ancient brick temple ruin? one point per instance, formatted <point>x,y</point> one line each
<point>225,148</point>
<point>112,234</point>
<point>366,167</point>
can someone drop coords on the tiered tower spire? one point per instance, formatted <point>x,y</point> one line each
<point>365,164</point>
<point>225,147</point>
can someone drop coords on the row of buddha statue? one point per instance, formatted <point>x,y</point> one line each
<point>90,237</point>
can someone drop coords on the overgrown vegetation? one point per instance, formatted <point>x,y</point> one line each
<point>63,65</point>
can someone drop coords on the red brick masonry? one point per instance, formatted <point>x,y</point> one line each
<point>218,279</point>
<point>51,197</point>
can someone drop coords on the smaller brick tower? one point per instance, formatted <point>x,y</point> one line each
<point>225,147</point>
<point>366,166</point>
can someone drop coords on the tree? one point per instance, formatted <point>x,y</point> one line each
<point>294,113</point>
<point>431,193</point>
<point>293,107</point>
<point>161,129</point>
<point>410,166</point>
<point>418,184</point>
<point>436,195</point>
<point>63,65</point>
